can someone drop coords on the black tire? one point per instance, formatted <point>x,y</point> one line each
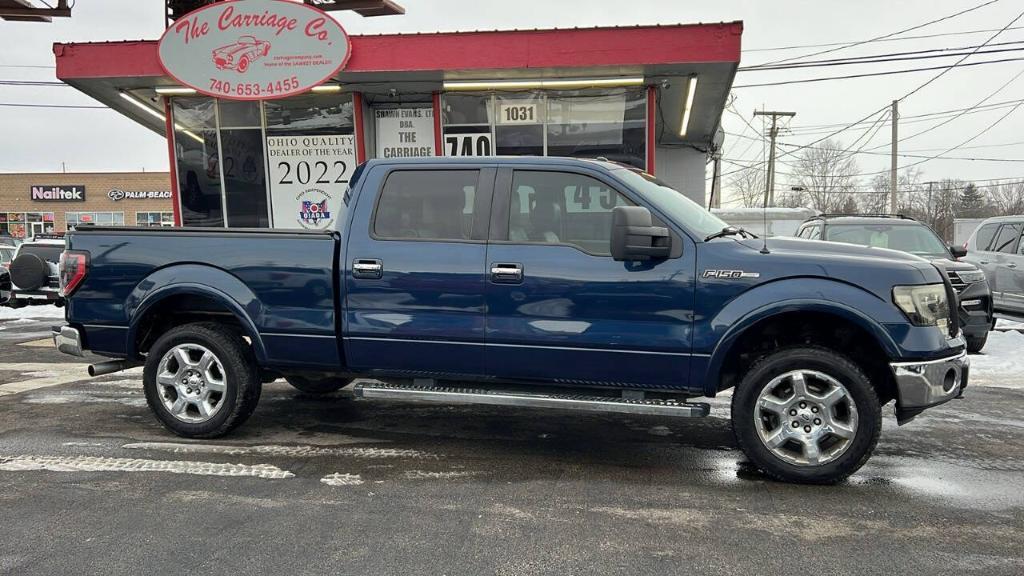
<point>976,343</point>
<point>825,361</point>
<point>318,385</point>
<point>241,379</point>
<point>29,272</point>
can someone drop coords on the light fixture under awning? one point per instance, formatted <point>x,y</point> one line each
<point>554,84</point>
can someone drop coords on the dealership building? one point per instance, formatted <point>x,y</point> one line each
<point>648,96</point>
<point>41,202</point>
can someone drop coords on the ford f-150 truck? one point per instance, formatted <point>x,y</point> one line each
<point>537,282</point>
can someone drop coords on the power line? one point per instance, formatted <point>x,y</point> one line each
<point>900,39</point>
<point>888,57</point>
<point>884,36</point>
<point>915,118</point>
<point>871,74</point>
<point>20,105</point>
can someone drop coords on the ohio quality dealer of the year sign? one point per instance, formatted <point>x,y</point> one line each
<point>254,49</point>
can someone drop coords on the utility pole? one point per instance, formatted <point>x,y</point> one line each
<point>769,185</point>
<point>716,181</point>
<point>895,144</point>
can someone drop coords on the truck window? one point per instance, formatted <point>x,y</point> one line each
<point>1006,240</point>
<point>563,208</point>
<point>983,239</point>
<point>427,204</point>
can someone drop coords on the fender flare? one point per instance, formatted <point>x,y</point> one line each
<point>199,280</point>
<point>808,298</point>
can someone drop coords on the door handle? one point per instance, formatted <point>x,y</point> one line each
<point>507,273</point>
<point>982,261</point>
<point>1011,265</point>
<point>371,268</point>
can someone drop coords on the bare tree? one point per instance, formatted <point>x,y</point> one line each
<point>827,174</point>
<point>1007,197</point>
<point>748,186</point>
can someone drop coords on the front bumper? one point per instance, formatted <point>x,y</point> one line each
<point>923,384</point>
<point>68,340</point>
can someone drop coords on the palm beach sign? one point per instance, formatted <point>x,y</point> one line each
<point>254,49</point>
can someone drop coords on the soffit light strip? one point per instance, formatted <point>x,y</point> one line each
<point>688,106</point>
<point>157,114</point>
<point>174,91</point>
<point>455,85</point>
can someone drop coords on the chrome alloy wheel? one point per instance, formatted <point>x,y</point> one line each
<point>806,417</point>
<point>191,383</point>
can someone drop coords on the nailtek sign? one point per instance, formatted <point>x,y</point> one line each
<point>254,49</point>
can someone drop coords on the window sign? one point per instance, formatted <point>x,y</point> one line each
<point>458,144</point>
<point>405,132</point>
<point>308,177</point>
<point>524,112</point>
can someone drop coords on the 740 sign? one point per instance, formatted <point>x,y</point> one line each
<point>467,145</point>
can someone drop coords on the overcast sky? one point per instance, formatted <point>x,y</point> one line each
<point>95,140</point>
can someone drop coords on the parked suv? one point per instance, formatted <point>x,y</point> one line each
<point>34,272</point>
<point>898,232</point>
<point>996,248</point>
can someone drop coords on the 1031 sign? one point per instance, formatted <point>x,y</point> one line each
<point>468,145</point>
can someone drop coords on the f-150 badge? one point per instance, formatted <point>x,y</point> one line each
<point>729,274</point>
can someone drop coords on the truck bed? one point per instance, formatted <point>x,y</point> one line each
<point>282,282</point>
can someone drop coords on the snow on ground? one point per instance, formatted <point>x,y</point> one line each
<point>30,312</point>
<point>1001,362</point>
<point>1004,324</point>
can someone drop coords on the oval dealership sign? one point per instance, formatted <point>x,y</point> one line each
<point>254,49</point>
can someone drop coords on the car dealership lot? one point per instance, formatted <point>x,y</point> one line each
<point>91,483</point>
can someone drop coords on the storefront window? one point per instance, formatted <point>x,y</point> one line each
<point>95,218</point>
<point>196,150</point>
<point>154,218</point>
<point>25,225</point>
<point>582,123</point>
<point>310,114</point>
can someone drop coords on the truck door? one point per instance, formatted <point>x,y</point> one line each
<point>413,271</point>
<point>559,308</point>
<point>1004,249</point>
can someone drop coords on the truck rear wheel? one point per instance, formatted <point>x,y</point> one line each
<point>806,414</point>
<point>317,385</point>
<point>201,380</point>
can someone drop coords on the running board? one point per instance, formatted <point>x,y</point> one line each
<point>444,395</point>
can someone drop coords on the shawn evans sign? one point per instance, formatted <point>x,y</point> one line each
<point>308,178</point>
<point>254,49</point>
<point>405,132</point>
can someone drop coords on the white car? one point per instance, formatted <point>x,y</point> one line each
<point>33,272</point>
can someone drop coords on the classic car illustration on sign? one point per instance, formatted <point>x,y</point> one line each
<point>241,54</point>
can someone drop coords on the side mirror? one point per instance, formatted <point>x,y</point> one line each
<point>5,286</point>
<point>958,251</point>
<point>635,237</point>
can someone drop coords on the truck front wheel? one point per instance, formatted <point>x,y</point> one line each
<point>317,385</point>
<point>806,414</point>
<point>201,380</point>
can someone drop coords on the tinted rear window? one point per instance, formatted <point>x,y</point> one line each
<point>48,252</point>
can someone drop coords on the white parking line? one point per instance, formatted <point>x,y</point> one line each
<point>276,450</point>
<point>41,375</point>
<point>102,464</point>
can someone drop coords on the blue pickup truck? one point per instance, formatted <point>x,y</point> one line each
<point>537,282</point>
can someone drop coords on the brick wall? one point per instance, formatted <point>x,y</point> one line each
<point>15,194</point>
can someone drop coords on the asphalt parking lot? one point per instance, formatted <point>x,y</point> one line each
<point>91,484</point>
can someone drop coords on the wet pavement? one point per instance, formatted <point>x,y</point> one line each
<point>91,484</point>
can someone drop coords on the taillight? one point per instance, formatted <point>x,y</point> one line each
<point>72,268</point>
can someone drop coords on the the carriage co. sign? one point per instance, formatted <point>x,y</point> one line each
<point>254,49</point>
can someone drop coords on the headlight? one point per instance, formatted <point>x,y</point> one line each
<point>924,305</point>
<point>970,276</point>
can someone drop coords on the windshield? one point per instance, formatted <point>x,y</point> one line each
<point>672,202</point>
<point>915,239</point>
